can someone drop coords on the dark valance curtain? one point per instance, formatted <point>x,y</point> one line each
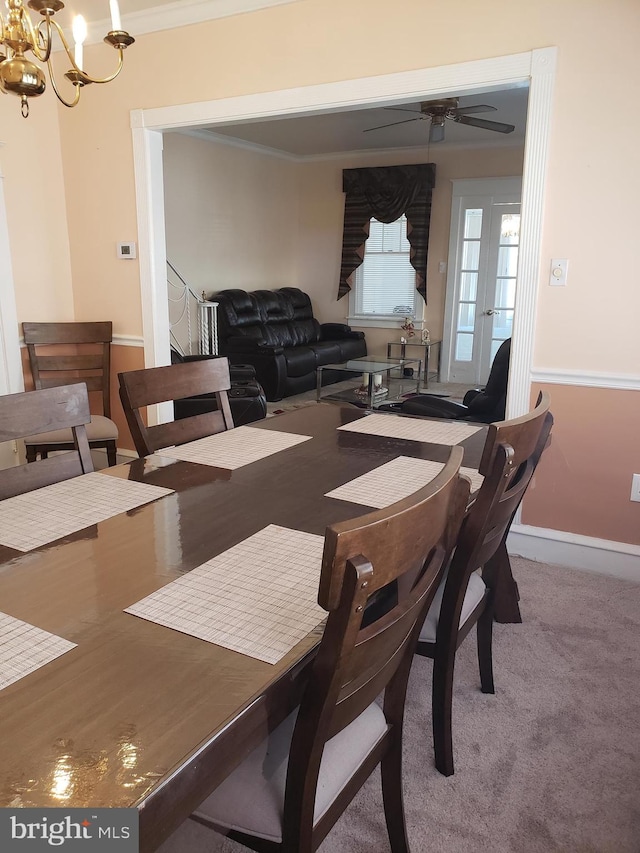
<point>386,192</point>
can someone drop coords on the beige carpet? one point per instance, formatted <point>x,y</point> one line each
<point>550,763</point>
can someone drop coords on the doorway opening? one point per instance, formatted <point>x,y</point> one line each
<point>535,68</point>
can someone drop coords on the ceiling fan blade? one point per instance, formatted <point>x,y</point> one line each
<point>485,124</point>
<point>436,132</point>
<point>403,110</point>
<point>476,108</point>
<point>393,123</point>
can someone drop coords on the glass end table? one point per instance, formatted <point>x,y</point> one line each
<point>426,350</point>
<point>375,380</point>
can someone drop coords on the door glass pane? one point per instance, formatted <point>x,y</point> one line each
<point>505,293</point>
<point>464,347</point>
<point>470,255</point>
<point>468,286</point>
<point>507,260</point>
<point>466,316</point>
<point>472,224</point>
<point>510,228</point>
<point>502,325</point>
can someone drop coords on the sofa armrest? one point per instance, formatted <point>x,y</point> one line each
<point>335,331</point>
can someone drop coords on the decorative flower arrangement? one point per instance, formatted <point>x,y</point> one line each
<point>408,327</point>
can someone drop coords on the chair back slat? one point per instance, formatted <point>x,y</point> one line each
<point>186,429</point>
<point>93,383</point>
<point>141,388</point>
<point>35,412</point>
<point>409,541</point>
<point>100,332</point>
<point>81,361</point>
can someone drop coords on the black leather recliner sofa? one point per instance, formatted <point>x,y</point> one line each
<point>276,332</point>
<point>246,397</point>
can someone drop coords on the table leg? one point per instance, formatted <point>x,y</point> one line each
<point>318,383</point>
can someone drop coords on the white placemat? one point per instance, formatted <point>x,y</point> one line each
<point>394,481</point>
<point>44,515</point>
<point>258,598</point>
<point>25,648</point>
<point>235,447</point>
<point>414,429</point>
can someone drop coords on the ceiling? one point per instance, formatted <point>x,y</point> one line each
<point>98,10</point>
<point>338,132</point>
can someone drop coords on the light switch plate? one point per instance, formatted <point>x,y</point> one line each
<point>559,271</point>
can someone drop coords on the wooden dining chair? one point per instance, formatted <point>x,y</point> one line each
<point>290,791</point>
<point>466,595</point>
<point>140,388</point>
<point>64,353</point>
<point>66,407</point>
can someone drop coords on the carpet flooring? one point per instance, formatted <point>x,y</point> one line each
<point>550,763</point>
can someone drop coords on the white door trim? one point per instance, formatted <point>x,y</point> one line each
<point>536,67</point>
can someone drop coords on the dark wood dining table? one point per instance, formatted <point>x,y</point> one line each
<point>139,715</point>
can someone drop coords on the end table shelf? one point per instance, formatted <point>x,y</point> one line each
<point>426,348</point>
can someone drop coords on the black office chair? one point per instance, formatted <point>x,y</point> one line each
<point>483,405</point>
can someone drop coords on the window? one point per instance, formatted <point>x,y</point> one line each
<point>385,283</point>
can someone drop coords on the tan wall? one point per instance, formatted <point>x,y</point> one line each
<point>31,162</point>
<point>230,214</point>
<point>583,483</point>
<point>123,358</point>
<point>593,175</point>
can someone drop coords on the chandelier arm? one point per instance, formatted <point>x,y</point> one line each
<point>86,78</point>
<point>42,43</point>
<point>113,76</point>
<point>55,89</point>
<point>50,23</point>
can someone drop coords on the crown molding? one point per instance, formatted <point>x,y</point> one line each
<point>178,14</point>
<point>419,150</point>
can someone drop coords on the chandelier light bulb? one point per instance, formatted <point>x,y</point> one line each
<point>116,23</point>
<point>79,35</point>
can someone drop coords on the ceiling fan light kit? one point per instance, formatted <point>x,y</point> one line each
<point>447,108</point>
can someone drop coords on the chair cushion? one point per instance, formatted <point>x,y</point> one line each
<point>472,597</point>
<point>100,429</point>
<point>251,799</point>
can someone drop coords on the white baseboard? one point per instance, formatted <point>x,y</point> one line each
<point>578,552</point>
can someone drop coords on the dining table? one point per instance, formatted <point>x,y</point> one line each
<point>138,715</point>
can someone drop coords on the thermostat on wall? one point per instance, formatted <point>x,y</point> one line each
<point>126,250</point>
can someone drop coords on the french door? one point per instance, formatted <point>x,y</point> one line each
<point>481,282</point>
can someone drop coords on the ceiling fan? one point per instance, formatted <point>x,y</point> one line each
<point>447,108</point>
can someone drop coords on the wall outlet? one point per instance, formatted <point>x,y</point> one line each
<point>635,488</point>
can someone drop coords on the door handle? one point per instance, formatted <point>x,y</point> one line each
<point>490,312</point>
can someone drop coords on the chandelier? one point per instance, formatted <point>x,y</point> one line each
<point>18,35</point>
